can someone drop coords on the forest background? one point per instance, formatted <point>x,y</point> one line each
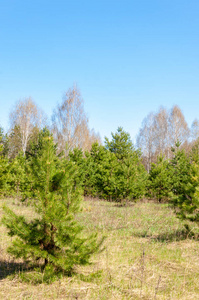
<point>128,57</point>
<point>115,170</point>
<point>50,168</point>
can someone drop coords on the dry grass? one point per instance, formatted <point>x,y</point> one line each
<point>148,255</point>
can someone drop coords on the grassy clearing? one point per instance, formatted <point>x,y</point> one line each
<point>148,255</point>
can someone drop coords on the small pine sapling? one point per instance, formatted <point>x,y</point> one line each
<point>54,237</point>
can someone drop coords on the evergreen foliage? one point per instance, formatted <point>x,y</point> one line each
<point>130,175</point>
<point>3,170</point>
<point>180,171</point>
<point>16,176</point>
<point>120,144</point>
<point>183,184</point>
<point>159,181</point>
<point>103,172</point>
<point>4,143</point>
<point>77,157</point>
<point>111,178</point>
<point>54,237</point>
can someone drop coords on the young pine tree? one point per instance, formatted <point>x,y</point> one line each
<point>120,144</point>
<point>16,177</point>
<point>4,164</point>
<point>159,181</point>
<point>187,203</point>
<point>180,171</point>
<point>105,166</point>
<point>184,180</point>
<point>130,176</point>
<point>54,237</point>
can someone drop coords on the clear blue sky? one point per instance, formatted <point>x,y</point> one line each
<point>128,57</point>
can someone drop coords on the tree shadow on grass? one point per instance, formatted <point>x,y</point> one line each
<point>169,237</point>
<point>8,268</point>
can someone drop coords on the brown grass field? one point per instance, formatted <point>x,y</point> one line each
<point>148,255</point>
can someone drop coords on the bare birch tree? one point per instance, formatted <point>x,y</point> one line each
<point>24,119</point>
<point>162,132</point>
<point>195,130</point>
<point>70,123</point>
<point>179,130</point>
<point>145,140</point>
<point>159,132</point>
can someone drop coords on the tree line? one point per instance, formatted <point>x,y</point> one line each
<point>52,167</point>
<point>160,132</point>
<point>69,125</point>
<point>115,170</point>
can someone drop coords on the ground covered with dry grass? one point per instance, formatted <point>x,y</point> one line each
<point>148,255</point>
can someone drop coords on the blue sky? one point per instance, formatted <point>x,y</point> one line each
<point>127,57</point>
